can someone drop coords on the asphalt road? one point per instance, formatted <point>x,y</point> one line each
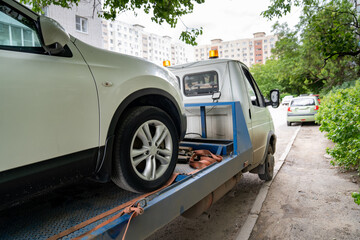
<point>225,218</point>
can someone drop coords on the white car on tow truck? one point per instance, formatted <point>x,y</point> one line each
<point>70,110</point>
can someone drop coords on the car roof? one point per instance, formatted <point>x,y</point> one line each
<point>303,97</point>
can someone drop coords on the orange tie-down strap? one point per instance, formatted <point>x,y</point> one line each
<point>202,158</point>
<point>126,208</point>
<point>199,160</point>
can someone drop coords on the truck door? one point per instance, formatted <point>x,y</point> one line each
<point>259,118</point>
<point>48,104</point>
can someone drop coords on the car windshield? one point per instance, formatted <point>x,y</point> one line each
<point>303,102</point>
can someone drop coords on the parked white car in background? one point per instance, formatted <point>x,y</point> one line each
<point>70,110</point>
<point>286,100</point>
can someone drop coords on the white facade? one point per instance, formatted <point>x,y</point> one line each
<point>133,40</point>
<point>81,21</point>
<point>249,51</point>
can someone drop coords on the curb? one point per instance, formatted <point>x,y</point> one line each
<point>247,228</point>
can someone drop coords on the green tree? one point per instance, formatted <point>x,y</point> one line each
<point>168,11</point>
<point>322,51</point>
<point>266,76</point>
<point>331,26</point>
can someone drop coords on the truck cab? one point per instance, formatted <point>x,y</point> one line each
<point>225,80</point>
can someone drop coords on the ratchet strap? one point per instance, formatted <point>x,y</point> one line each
<point>198,160</point>
<point>128,207</point>
<point>203,158</point>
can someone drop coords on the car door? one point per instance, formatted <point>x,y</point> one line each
<point>259,118</point>
<point>48,104</point>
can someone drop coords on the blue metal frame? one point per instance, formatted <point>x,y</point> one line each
<point>240,131</point>
<point>188,190</point>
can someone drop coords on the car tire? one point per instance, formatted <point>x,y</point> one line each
<point>145,149</point>
<point>269,166</point>
<point>288,123</point>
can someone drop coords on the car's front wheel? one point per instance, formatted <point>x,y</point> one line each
<point>145,150</point>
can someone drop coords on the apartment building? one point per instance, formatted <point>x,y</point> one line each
<point>249,51</point>
<point>81,21</point>
<point>132,39</point>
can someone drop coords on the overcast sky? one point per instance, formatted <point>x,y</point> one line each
<point>225,19</point>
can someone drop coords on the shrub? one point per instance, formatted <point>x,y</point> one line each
<point>356,197</point>
<point>339,116</point>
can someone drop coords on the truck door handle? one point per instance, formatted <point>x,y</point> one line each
<point>249,113</point>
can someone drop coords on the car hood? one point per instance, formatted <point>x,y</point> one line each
<point>120,66</point>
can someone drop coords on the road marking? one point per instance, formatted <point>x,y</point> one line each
<point>247,228</point>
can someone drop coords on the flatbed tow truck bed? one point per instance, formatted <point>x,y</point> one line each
<point>66,207</point>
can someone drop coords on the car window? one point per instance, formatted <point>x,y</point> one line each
<point>205,83</point>
<point>18,32</point>
<point>253,90</point>
<point>303,102</point>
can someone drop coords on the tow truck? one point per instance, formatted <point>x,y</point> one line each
<point>93,211</point>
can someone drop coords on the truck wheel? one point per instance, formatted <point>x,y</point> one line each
<point>288,123</point>
<point>145,150</point>
<point>269,166</point>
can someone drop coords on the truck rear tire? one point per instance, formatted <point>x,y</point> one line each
<point>269,166</point>
<point>145,150</point>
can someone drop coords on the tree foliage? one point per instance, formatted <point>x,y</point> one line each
<point>322,51</point>
<point>168,11</point>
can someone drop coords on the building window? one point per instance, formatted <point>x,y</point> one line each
<point>46,11</point>
<point>81,24</point>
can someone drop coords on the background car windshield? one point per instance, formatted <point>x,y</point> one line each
<point>201,83</point>
<point>303,102</point>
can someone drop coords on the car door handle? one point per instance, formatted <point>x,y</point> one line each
<point>249,113</point>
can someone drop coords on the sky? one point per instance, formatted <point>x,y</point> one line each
<point>224,19</point>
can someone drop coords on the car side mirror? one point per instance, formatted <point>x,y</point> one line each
<point>54,35</point>
<point>274,98</point>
